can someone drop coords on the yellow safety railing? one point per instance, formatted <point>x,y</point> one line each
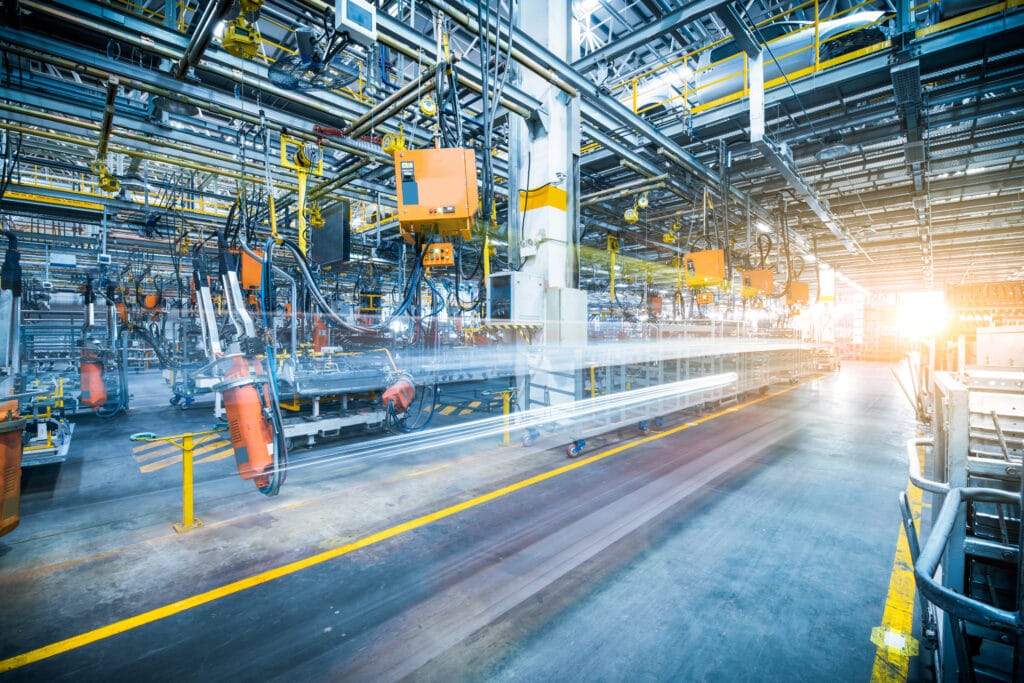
<point>636,83</point>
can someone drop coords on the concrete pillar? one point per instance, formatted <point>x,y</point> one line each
<point>546,154</point>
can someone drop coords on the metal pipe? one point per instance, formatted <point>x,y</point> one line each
<point>108,119</point>
<point>214,10</point>
<point>621,193</point>
<point>634,186</point>
<point>325,188</point>
<point>471,24</point>
<point>293,322</point>
<point>233,74</point>
<point>88,125</point>
<point>914,465</point>
<point>399,99</point>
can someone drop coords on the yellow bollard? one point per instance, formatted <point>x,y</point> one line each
<point>506,401</point>
<point>187,446</point>
<point>187,499</point>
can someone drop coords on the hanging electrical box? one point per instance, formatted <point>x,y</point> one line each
<point>515,297</point>
<point>757,283</point>
<point>799,294</point>
<point>437,191</point>
<point>438,255</point>
<point>358,19</point>
<point>704,268</point>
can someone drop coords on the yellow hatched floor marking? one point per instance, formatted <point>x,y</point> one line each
<point>89,637</point>
<point>472,406</point>
<point>228,451</point>
<point>162,445</point>
<point>895,646</point>
<point>149,450</point>
<point>448,410</point>
<point>218,446</point>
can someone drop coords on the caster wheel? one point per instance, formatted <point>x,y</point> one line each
<point>187,403</point>
<point>575,448</point>
<point>659,422</point>
<point>175,400</point>
<point>530,437</point>
<point>644,427</point>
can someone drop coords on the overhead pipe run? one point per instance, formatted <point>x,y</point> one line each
<point>233,74</point>
<point>397,101</point>
<point>212,13</point>
<point>642,185</point>
<point>108,118</point>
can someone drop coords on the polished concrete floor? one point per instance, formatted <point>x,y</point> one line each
<point>755,545</point>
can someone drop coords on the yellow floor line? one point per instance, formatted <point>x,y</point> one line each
<point>185,604</point>
<point>895,645</point>
<point>448,410</point>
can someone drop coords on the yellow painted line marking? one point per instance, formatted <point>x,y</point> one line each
<point>95,635</point>
<point>448,410</point>
<point>159,464</point>
<point>166,448</point>
<point>474,404</point>
<point>150,446</point>
<point>420,473</point>
<point>895,646</point>
<point>219,455</point>
<point>166,462</point>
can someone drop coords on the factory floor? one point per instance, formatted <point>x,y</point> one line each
<point>752,542</point>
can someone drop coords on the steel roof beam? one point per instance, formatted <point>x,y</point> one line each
<point>649,32</point>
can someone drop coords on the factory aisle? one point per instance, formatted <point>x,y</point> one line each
<point>754,543</point>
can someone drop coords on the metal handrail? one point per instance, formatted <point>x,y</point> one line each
<point>952,603</point>
<point>914,467</point>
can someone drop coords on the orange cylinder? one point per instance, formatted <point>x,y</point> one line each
<point>94,391</point>
<point>401,394</point>
<point>251,436</point>
<point>10,474</point>
<point>321,335</point>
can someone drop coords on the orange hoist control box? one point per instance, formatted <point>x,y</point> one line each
<point>704,298</point>
<point>799,294</point>
<point>757,283</point>
<point>437,191</point>
<point>438,255</point>
<point>704,268</point>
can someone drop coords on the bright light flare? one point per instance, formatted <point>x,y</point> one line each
<point>921,314</point>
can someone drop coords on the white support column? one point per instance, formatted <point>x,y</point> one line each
<point>544,155</point>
